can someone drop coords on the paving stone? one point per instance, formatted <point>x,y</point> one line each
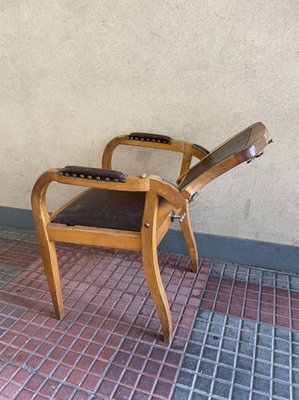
<point>201,324</point>
<point>224,373</point>
<point>190,363</point>
<point>263,354</point>
<point>227,358</point>
<point>281,390</point>
<point>206,368</point>
<point>246,349</point>
<point>265,329</point>
<point>247,336</point>
<point>261,384</point>
<point>295,336</point>
<point>209,353</point>
<point>295,361</point>
<point>244,363</point>
<point>281,359</point>
<point>216,329</point>
<point>193,349</point>
<point>240,393</point>
<point>197,336</point>
<point>284,346</point>
<point>263,368</point>
<point>203,315</point>
<point>231,333</point>
<point>230,345</point>
<point>282,333</point>
<point>233,322</point>
<point>180,393</point>
<point>213,340</point>
<point>295,390</point>
<point>264,341</point>
<point>185,378</point>
<point>243,378</point>
<point>295,348</point>
<point>203,384</point>
<point>221,389</point>
<point>295,377</point>
<point>218,319</point>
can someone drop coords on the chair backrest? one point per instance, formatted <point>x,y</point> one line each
<point>243,146</point>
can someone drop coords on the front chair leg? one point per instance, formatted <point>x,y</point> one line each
<point>189,238</point>
<point>47,247</point>
<point>151,266</point>
<point>155,285</point>
<point>49,257</point>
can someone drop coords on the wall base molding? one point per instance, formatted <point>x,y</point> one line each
<point>251,252</point>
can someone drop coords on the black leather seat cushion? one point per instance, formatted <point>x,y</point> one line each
<point>105,209</point>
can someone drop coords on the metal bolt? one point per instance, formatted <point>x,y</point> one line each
<point>147,225</point>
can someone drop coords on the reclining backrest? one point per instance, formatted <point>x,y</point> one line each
<point>244,146</point>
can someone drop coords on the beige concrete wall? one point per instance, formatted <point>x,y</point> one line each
<point>74,73</point>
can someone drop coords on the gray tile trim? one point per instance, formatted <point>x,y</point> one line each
<point>16,217</point>
<point>216,247</point>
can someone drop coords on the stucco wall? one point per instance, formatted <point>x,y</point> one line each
<point>74,73</point>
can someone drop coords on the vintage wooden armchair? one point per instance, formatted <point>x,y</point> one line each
<point>132,212</point>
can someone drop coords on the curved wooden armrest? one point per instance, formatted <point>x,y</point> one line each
<point>131,183</point>
<point>150,137</point>
<point>99,174</point>
<point>156,141</point>
<point>153,141</point>
<point>38,195</point>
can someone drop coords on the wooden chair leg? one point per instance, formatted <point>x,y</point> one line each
<point>49,257</point>
<point>155,285</point>
<point>151,266</point>
<point>189,238</point>
<point>47,247</point>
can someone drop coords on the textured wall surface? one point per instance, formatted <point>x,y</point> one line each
<point>74,73</point>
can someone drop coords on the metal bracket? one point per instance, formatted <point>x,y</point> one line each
<point>179,218</point>
<point>193,197</point>
<point>257,156</point>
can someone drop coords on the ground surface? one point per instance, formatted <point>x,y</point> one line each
<point>236,328</point>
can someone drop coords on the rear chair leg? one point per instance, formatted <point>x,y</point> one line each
<point>189,238</point>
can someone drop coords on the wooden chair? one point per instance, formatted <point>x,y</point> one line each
<point>131,212</point>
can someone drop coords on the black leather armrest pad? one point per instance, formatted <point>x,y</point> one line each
<point>200,148</point>
<point>93,173</point>
<point>150,137</point>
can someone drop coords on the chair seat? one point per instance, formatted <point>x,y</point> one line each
<point>105,209</point>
